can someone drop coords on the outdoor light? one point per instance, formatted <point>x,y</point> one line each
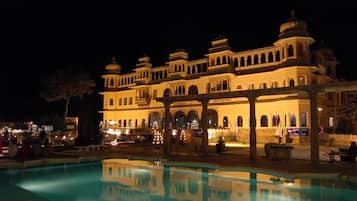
<point>319,109</point>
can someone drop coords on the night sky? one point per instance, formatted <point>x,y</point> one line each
<point>39,38</point>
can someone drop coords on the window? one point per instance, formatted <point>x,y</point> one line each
<point>292,120</point>
<point>130,100</point>
<point>111,102</point>
<point>264,121</point>
<point>290,51</point>
<point>301,80</point>
<point>303,119</point>
<point>120,101</point>
<point>330,122</point>
<point>291,83</point>
<point>225,122</point>
<point>276,120</point>
<point>240,121</point>
<point>125,101</point>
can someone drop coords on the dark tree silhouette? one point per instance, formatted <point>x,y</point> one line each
<point>63,85</point>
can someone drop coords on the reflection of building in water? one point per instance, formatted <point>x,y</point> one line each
<point>131,180</point>
<point>142,180</point>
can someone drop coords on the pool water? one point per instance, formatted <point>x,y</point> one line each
<point>129,180</point>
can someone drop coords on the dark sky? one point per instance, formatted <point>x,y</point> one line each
<point>39,38</point>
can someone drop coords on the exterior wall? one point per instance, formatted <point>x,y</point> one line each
<point>285,64</point>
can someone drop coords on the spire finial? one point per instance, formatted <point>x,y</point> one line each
<point>114,60</point>
<point>292,13</point>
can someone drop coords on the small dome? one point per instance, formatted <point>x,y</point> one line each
<point>294,26</point>
<point>113,67</point>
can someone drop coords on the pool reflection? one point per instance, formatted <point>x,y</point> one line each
<point>142,180</point>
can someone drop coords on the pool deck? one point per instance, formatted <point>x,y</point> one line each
<point>232,157</point>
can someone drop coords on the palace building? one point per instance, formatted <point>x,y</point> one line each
<point>130,100</point>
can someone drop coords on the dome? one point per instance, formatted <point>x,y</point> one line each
<point>113,67</point>
<point>294,26</point>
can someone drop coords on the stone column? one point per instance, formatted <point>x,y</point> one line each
<point>204,126</point>
<point>314,134</point>
<point>252,124</point>
<point>167,134</point>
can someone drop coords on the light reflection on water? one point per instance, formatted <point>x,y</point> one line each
<point>134,180</point>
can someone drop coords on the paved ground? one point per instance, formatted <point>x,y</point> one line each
<point>232,157</point>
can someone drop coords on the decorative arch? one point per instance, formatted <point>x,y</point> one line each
<point>155,120</point>
<point>277,56</point>
<point>249,61</point>
<point>290,51</point>
<point>193,90</point>
<point>256,60</point>
<point>167,92</point>
<point>212,118</point>
<point>179,120</point>
<point>270,57</point>
<point>193,120</point>
<point>264,121</point>
<point>224,60</point>
<point>242,62</point>
<point>262,58</point>
<point>235,63</point>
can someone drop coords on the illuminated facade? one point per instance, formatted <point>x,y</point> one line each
<point>129,100</point>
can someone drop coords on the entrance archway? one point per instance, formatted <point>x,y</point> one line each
<point>212,118</point>
<point>179,120</point>
<point>155,120</point>
<point>193,120</point>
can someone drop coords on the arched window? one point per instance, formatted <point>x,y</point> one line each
<point>167,92</point>
<point>212,118</point>
<point>179,121</point>
<point>188,70</point>
<point>111,102</point>
<point>225,122</point>
<point>193,69</point>
<point>235,63</point>
<point>301,80</point>
<point>130,101</point>
<point>125,101</point>
<point>264,121</point>
<point>262,58</point>
<point>242,62</point>
<point>277,56</point>
<point>193,90</point>
<point>175,68</point>
<point>218,61</point>
<point>290,51</point>
<point>275,120</point>
<point>291,83</point>
<point>240,121</point>
<point>256,60</point>
<point>249,61</point>
<point>270,57</point>
<point>224,60</point>
<point>111,82</point>
<point>120,101</point>
<point>292,120</point>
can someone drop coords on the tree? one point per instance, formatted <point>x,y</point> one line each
<point>63,85</point>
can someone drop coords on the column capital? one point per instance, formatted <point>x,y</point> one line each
<point>204,100</point>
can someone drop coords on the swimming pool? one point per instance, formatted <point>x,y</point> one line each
<point>129,180</point>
